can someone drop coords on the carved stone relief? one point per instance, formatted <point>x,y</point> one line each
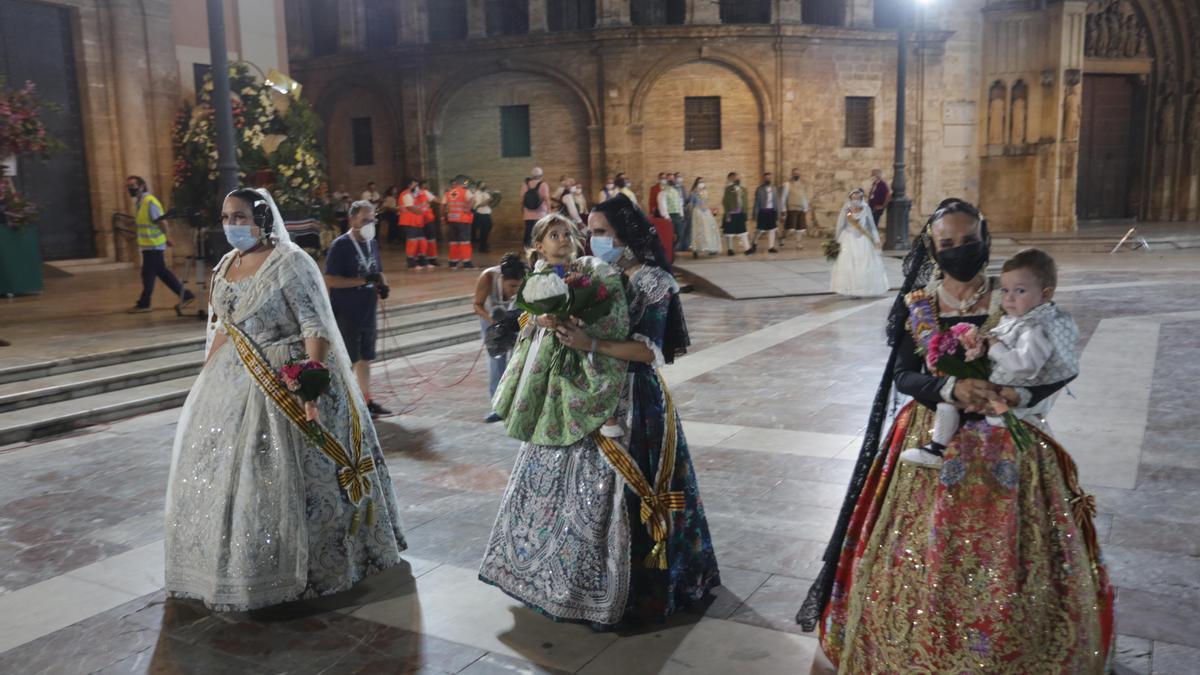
<point>1113,30</point>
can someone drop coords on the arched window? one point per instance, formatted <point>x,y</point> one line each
<point>381,24</point>
<point>447,20</point>
<point>657,12</point>
<point>324,27</point>
<point>997,100</point>
<point>745,11</point>
<point>507,17</point>
<point>1018,114</point>
<point>823,12</point>
<point>570,14</point>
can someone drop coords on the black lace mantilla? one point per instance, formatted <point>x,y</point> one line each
<point>918,268</point>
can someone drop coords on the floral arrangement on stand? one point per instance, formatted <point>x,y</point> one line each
<point>275,137</point>
<point>22,132</point>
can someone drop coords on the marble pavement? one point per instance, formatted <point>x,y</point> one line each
<point>774,395</point>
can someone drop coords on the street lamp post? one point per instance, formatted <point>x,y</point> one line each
<point>898,210</point>
<point>227,168</point>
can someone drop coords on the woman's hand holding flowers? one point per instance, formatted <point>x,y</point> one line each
<point>572,335</point>
<point>975,396</point>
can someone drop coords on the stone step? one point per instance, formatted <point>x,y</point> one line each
<point>87,265</point>
<point>58,415</point>
<point>398,318</point>
<point>114,377</point>
<point>135,372</point>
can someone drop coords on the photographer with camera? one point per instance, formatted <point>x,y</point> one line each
<point>153,240</point>
<point>495,304</point>
<point>354,274</point>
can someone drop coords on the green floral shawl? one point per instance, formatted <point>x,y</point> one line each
<point>550,408</point>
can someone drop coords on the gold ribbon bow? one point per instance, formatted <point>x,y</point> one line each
<point>658,503</point>
<point>355,479</point>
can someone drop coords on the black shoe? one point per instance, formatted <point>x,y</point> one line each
<point>412,264</point>
<point>137,309</point>
<point>432,262</point>
<point>772,250</point>
<point>186,301</point>
<point>377,410</point>
<point>453,264</point>
<point>752,250</point>
<point>492,418</point>
<point>468,265</point>
<point>729,252</point>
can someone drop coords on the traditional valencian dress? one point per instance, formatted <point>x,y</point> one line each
<point>988,565</point>
<point>858,270</point>
<point>257,514</point>
<point>706,234</point>
<point>571,539</point>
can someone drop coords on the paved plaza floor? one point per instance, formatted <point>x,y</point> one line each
<point>774,394</point>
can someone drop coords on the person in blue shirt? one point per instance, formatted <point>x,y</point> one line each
<point>354,274</point>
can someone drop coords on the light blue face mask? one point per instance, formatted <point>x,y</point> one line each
<point>241,237</point>
<point>602,248</point>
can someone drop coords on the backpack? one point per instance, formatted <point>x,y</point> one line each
<point>533,198</point>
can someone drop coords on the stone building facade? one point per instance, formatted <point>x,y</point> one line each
<point>125,68</point>
<point>606,82</point>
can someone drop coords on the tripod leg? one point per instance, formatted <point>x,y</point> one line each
<point>1123,240</point>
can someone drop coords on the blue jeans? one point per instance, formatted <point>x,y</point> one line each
<point>496,366</point>
<point>683,232</point>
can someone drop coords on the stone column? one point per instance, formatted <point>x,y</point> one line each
<point>704,11</point>
<point>595,178</point>
<point>352,35</point>
<point>538,16</point>
<point>129,56</point>
<point>612,13</point>
<point>790,11</point>
<point>476,18</point>
<point>132,78</point>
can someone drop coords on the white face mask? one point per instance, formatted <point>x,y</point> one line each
<point>367,232</point>
<point>610,187</point>
<point>701,186</point>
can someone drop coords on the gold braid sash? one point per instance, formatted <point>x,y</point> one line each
<point>657,503</point>
<point>353,472</point>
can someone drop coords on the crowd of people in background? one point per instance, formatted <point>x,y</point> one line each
<point>700,221</point>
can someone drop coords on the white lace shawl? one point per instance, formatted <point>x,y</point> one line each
<point>864,218</point>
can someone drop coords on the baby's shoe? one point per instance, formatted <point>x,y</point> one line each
<point>926,455</point>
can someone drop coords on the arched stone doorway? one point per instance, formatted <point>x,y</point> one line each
<point>660,115</point>
<point>466,136</point>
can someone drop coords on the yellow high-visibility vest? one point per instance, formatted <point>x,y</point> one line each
<point>149,234</point>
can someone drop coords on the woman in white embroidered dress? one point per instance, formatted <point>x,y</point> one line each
<point>256,514</point>
<point>858,270</point>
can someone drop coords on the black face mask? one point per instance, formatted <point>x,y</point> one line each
<point>964,262</point>
<point>133,192</point>
<point>795,177</point>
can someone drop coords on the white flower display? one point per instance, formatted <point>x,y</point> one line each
<point>544,287</point>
